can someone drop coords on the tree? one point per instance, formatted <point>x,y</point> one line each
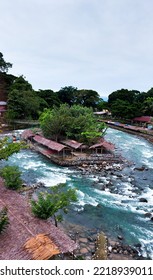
<point>23,102</point>
<point>7,149</point>
<point>148,106</point>
<point>70,122</point>
<point>4,66</point>
<point>12,177</point>
<point>55,122</point>
<point>21,84</point>
<point>50,97</point>
<point>88,98</point>
<point>123,94</point>
<point>68,95</point>
<point>51,204</point>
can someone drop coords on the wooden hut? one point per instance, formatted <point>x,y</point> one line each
<point>102,146</point>
<point>52,147</point>
<point>74,145</point>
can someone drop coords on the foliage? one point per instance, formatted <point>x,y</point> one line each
<point>4,66</point>
<point>12,177</point>
<point>50,97</point>
<point>88,98</point>
<point>148,106</point>
<point>70,122</point>
<point>23,104</point>
<point>131,103</point>
<point>84,97</point>
<point>123,109</point>
<point>7,149</point>
<point>50,204</point>
<point>4,221</point>
<point>21,84</point>
<point>68,95</point>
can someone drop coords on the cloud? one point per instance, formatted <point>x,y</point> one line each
<point>102,44</point>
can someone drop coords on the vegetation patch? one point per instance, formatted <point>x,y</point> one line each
<point>4,221</point>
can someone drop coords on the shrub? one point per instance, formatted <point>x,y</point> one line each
<point>49,204</point>
<point>12,177</point>
<point>4,221</point>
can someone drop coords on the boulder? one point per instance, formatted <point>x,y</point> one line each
<point>142,199</point>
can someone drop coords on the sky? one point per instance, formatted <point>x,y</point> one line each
<point>103,45</point>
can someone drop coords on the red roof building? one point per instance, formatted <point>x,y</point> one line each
<point>143,119</point>
<point>49,143</point>
<point>72,144</point>
<point>103,145</point>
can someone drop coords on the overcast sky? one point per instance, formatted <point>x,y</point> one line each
<point>102,45</point>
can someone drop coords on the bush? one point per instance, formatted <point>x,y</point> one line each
<point>12,177</point>
<point>49,204</point>
<point>4,221</point>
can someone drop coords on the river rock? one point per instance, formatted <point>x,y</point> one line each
<point>148,215</point>
<point>120,237</point>
<point>142,199</point>
<point>142,168</point>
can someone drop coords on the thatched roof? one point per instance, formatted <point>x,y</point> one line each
<point>41,247</point>
<point>24,226</point>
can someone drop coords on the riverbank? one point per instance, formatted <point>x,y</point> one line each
<point>136,130</point>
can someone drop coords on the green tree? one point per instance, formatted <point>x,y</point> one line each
<point>123,109</point>
<point>123,94</point>
<point>12,177</point>
<point>88,98</point>
<point>68,95</point>
<point>21,84</point>
<point>7,149</point>
<point>70,122</point>
<point>24,104</point>
<point>4,66</point>
<point>148,106</point>
<point>55,122</point>
<point>51,204</point>
<point>50,97</point>
<point>4,221</point>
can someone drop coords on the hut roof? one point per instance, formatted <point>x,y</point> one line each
<point>72,143</point>
<point>146,119</point>
<point>105,144</point>
<point>49,143</point>
<point>25,230</point>
<point>27,133</point>
<point>41,247</point>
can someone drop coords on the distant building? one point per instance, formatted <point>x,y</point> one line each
<point>143,120</point>
<point>104,112</point>
<point>3,108</point>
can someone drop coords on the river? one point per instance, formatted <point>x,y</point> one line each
<point>109,201</point>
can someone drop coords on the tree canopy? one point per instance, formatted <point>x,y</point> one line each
<point>70,122</point>
<point>128,104</point>
<point>4,66</point>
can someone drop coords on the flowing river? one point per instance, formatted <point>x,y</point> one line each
<point>110,202</point>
